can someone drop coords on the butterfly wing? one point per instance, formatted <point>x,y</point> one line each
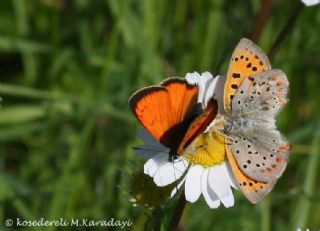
<point>247,60</point>
<point>261,152</point>
<point>253,190</point>
<point>262,159</point>
<point>182,97</point>
<point>262,97</point>
<point>162,109</point>
<point>199,124</point>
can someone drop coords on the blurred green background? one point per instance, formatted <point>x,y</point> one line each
<point>67,69</point>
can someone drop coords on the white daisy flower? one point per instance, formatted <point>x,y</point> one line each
<point>203,169</point>
<point>310,2</point>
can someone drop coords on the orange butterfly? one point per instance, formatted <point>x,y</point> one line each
<point>170,112</point>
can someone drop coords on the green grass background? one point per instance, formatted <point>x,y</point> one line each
<point>67,69</point>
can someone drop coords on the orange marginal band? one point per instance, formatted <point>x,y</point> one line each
<point>253,190</point>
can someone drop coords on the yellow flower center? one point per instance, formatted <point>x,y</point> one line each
<point>207,149</point>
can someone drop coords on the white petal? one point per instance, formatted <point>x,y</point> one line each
<point>209,90</point>
<point>154,168</point>
<point>152,165</point>
<point>147,165</point>
<point>181,164</point>
<point>207,76</point>
<point>193,78</point>
<point>204,82</point>
<point>232,180</point>
<point>193,184</point>
<point>224,192</point>
<point>176,189</point>
<point>214,197</point>
<point>165,175</point>
<point>153,160</point>
<point>228,201</point>
<point>169,172</point>
<point>219,92</point>
<point>219,180</point>
<point>204,78</point>
<point>310,2</point>
<point>210,197</point>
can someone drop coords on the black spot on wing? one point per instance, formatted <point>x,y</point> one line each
<point>236,75</point>
<point>234,86</point>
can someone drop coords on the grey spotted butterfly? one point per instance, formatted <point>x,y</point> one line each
<point>253,95</point>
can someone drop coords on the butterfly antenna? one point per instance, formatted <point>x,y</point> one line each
<point>176,180</point>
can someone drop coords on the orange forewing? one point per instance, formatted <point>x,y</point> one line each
<point>145,104</point>
<point>162,109</point>
<point>253,190</point>
<point>182,97</point>
<point>199,125</point>
<point>246,61</point>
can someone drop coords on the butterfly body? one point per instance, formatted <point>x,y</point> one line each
<point>239,125</point>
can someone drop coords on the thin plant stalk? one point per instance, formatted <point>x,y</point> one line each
<point>302,211</point>
<point>286,29</point>
<point>262,20</point>
<point>177,213</point>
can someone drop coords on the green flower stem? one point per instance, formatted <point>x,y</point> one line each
<point>265,214</point>
<point>302,211</point>
<point>177,213</point>
<point>157,217</point>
